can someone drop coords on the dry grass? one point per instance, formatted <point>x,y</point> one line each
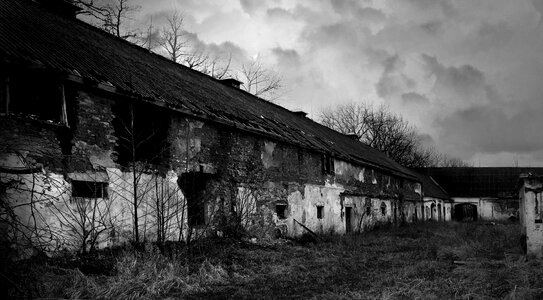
<point>413,262</point>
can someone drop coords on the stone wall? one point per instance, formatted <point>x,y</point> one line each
<point>217,179</point>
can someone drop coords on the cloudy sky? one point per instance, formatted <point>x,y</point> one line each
<point>468,74</point>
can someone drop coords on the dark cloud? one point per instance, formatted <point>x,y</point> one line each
<point>432,27</point>
<point>286,58</point>
<point>462,81</point>
<point>413,98</point>
<point>488,129</point>
<point>249,6</point>
<point>490,36</point>
<point>222,51</point>
<point>393,80</point>
<point>444,6</point>
<point>538,5</point>
<point>279,13</point>
<point>355,9</point>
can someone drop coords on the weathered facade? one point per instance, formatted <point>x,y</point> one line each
<point>531,213</point>
<point>437,205</point>
<point>103,142</point>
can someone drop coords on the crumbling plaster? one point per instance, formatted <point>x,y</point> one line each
<point>531,214</point>
<point>244,166</point>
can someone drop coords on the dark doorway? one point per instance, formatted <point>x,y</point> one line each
<point>465,212</point>
<point>193,185</point>
<point>439,212</point>
<point>348,218</point>
<point>433,212</point>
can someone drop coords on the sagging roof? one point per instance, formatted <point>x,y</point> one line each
<point>32,35</point>
<point>430,188</point>
<point>479,182</point>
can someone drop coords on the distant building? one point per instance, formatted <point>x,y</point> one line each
<point>481,193</point>
<point>437,204</point>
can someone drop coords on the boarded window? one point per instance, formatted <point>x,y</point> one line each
<point>280,210</point>
<point>89,189</point>
<point>320,211</point>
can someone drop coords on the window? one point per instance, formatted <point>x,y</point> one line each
<point>142,132</point>
<point>33,94</point>
<point>320,211</point>
<point>280,210</point>
<point>328,164</point>
<point>89,189</point>
<point>368,211</point>
<point>383,209</point>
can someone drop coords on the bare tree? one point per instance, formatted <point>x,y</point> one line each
<point>445,161</point>
<point>151,38</point>
<point>173,40</point>
<point>111,16</point>
<point>381,129</point>
<point>260,81</point>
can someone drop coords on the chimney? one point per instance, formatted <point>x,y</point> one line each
<point>65,8</point>
<point>231,82</point>
<point>300,113</point>
<point>353,136</point>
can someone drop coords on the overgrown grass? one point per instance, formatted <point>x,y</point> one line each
<point>424,261</point>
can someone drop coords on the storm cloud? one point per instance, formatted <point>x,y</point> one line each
<point>466,73</point>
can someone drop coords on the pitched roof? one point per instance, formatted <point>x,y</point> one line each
<point>479,182</point>
<point>30,35</point>
<point>431,188</point>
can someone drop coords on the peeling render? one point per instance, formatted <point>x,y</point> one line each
<point>531,213</point>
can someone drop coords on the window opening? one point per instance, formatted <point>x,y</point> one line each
<point>327,164</point>
<point>142,130</point>
<point>383,209</point>
<point>280,210</point>
<point>34,94</point>
<point>368,211</point>
<point>89,189</point>
<point>320,211</point>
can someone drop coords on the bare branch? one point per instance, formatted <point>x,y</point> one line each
<point>173,40</point>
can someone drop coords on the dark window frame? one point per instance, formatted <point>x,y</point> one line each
<point>35,94</point>
<point>328,166</point>
<point>281,210</point>
<point>383,209</point>
<point>81,189</point>
<point>320,211</point>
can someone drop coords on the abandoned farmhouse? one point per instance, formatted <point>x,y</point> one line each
<point>103,142</point>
